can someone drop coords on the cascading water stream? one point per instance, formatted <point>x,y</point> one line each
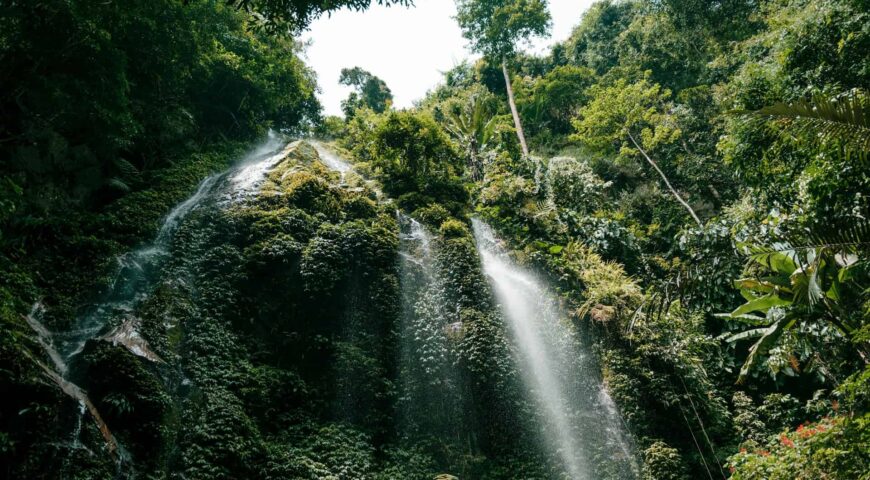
<point>332,160</point>
<point>343,167</point>
<point>139,269</point>
<point>430,398</point>
<point>415,243</point>
<point>138,273</point>
<point>580,421</point>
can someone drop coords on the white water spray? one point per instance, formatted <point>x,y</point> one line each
<point>251,170</point>
<point>528,308</point>
<point>549,355</point>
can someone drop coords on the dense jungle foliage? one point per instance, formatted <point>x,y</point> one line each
<point>691,177</point>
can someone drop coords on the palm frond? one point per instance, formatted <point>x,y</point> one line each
<point>844,119</point>
<point>116,183</point>
<point>842,240</point>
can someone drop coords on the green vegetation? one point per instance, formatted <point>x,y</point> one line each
<point>696,189</point>
<point>691,178</point>
<point>283,16</point>
<point>495,27</point>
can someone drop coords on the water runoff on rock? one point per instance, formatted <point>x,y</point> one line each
<point>112,317</point>
<point>431,400</point>
<point>331,159</point>
<point>578,419</point>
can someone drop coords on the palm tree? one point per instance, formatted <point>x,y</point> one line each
<point>473,128</point>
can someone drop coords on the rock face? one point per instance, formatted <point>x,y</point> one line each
<point>302,153</point>
<point>284,335</point>
<point>127,334</point>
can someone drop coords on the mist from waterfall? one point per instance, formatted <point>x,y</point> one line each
<point>431,397</point>
<point>579,421</point>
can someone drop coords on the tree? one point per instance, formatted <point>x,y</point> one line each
<point>406,149</point>
<point>635,117</point>
<point>97,93</point>
<point>494,27</point>
<point>371,91</point>
<point>820,278</point>
<point>592,42</point>
<point>291,16</point>
<point>552,100</point>
<point>473,126</point>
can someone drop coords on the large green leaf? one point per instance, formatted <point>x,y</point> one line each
<point>754,333</point>
<point>756,285</point>
<point>769,337</point>
<point>755,320</point>
<point>761,304</point>
<point>779,261</point>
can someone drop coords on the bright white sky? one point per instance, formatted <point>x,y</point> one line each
<point>407,47</point>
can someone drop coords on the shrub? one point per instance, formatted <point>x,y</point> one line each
<point>662,462</point>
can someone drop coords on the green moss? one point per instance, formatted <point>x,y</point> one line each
<point>131,399</point>
<point>453,228</point>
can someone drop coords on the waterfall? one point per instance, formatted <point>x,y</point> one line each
<point>580,423</point>
<point>139,271</point>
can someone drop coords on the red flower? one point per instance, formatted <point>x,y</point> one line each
<point>786,441</point>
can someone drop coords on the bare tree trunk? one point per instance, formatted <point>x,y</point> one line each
<point>517,124</point>
<point>662,174</point>
<point>476,167</point>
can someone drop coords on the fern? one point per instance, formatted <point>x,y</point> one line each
<point>125,168</point>
<point>116,183</point>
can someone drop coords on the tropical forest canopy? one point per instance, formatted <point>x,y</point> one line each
<point>689,178</point>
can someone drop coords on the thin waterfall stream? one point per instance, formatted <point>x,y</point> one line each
<point>112,318</point>
<point>331,159</point>
<point>579,420</point>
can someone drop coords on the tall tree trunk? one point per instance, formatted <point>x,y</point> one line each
<point>662,174</point>
<point>517,124</point>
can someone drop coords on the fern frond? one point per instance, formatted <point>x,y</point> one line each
<point>125,168</point>
<point>116,183</point>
